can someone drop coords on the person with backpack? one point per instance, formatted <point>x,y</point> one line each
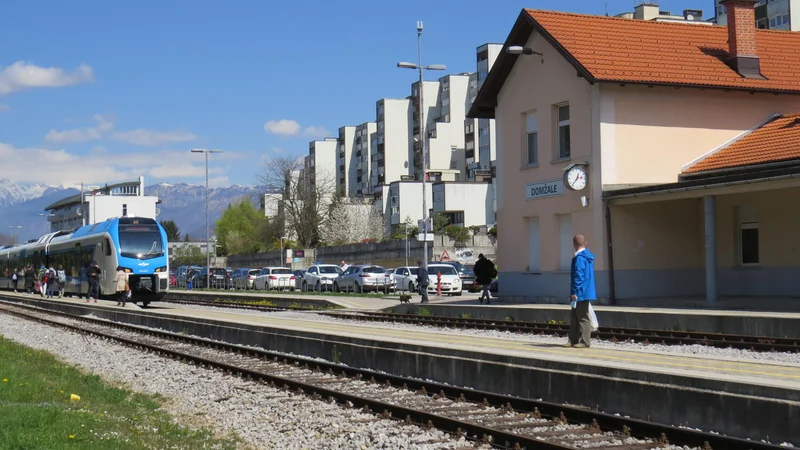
<point>61,278</point>
<point>484,274</point>
<point>14,280</point>
<point>51,282</point>
<point>42,281</point>
<point>30,279</point>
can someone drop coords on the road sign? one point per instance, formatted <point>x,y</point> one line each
<point>445,256</point>
<point>425,237</point>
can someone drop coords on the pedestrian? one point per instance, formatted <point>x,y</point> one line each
<point>30,279</point>
<point>83,277</point>
<point>121,284</point>
<point>61,277</point>
<point>484,274</point>
<point>52,281</point>
<point>422,281</point>
<point>93,273</point>
<point>42,281</point>
<point>14,279</point>
<point>582,293</point>
<point>343,266</point>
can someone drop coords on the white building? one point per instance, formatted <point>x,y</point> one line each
<point>405,202</point>
<point>363,155</point>
<point>480,135</point>
<point>321,164</point>
<point>346,164</point>
<point>650,10</point>
<point>392,154</point>
<point>102,203</point>
<point>446,139</point>
<point>465,204</point>
<point>769,14</point>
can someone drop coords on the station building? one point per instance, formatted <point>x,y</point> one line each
<point>689,140</point>
<point>102,203</point>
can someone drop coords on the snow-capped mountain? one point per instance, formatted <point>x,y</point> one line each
<point>21,206</point>
<point>12,193</point>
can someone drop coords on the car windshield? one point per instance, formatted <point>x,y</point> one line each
<point>140,241</point>
<point>328,269</point>
<point>281,272</point>
<point>219,271</point>
<point>373,270</point>
<point>413,270</point>
<point>444,270</point>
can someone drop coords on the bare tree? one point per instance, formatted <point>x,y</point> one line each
<point>351,220</point>
<point>299,195</point>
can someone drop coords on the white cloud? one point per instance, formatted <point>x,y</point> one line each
<point>315,132</point>
<point>283,127</point>
<point>23,165</point>
<point>23,75</point>
<point>82,134</point>
<point>222,181</point>
<point>4,108</point>
<point>288,127</point>
<point>141,136</point>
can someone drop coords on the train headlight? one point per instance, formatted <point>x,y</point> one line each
<point>161,269</point>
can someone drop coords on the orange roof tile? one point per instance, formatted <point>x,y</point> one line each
<point>778,140</point>
<point>627,50</point>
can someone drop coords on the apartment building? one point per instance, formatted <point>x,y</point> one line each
<point>392,154</point>
<point>465,204</point>
<point>445,133</point>
<point>650,10</point>
<point>360,177</point>
<point>345,163</point>
<point>769,14</point>
<point>321,164</point>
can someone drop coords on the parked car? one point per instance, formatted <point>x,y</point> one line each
<point>270,278</point>
<point>364,278</point>
<point>465,273</point>
<point>218,277</point>
<point>320,277</point>
<point>406,278</point>
<point>246,278</point>
<point>451,281</point>
<point>184,274</point>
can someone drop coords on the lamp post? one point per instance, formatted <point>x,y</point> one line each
<point>208,226</point>
<point>422,133</point>
<point>283,261</point>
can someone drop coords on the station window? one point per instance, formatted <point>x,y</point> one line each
<point>563,140</point>
<point>531,139</point>
<point>748,237</point>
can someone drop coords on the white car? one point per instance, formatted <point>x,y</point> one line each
<point>406,278</point>
<point>451,281</point>
<point>320,277</point>
<point>270,278</point>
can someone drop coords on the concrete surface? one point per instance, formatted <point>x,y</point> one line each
<point>747,399</point>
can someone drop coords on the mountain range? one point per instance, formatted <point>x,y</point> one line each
<point>22,211</point>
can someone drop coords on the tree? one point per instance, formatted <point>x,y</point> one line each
<point>188,255</point>
<point>459,235</point>
<point>492,232</point>
<point>301,197</point>
<point>186,238</point>
<point>474,229</point>
<point>173,232</point>
<point>440,221</point>
<point>239,229</point>
<point>349,221</point>
<point>407,226</point>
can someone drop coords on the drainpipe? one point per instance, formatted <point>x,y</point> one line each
<point>710,223</point>
<point>612,296</point>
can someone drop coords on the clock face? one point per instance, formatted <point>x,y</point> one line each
<point>576,178</point>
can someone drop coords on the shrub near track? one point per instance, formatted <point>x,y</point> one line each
<point>45,404</point>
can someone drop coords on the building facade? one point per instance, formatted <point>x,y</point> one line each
<point>631,140</point>
<point>360,179</point>
<point>465,204</point>
<point>769,14</point>
<point>392,156</point>
<point>100,204</point>
<point>346,163</point>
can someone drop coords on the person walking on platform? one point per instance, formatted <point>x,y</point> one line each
<point>582,293</point>
<point>121,283</point>
<point>30,279</point>
<point>484,274</point>
<point>422,281</point>
<point>94,282</point>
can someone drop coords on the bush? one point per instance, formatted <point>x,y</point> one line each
<point>492,232</point>
<point>459,235</point>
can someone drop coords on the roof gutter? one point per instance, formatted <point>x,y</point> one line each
<point>739,170</point>
<point>680,189</point>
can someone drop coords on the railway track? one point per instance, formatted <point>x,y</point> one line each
<point>186,299</point>
<point>483,417</point>
<point>611,334</point>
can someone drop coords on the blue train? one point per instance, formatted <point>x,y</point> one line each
<point>139,245</point>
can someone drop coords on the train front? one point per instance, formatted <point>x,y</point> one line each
<point>142,245</point>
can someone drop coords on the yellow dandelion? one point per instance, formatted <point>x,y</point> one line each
<point>72,436</point>
<point>5,380</point>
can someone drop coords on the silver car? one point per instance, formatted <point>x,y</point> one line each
<point>364,278</point>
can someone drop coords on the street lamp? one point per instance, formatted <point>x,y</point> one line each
<point>208,226</point>
<point>283,261</point>
<point>422,133</point>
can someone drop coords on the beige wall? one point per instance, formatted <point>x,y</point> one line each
<point>669,234</point>
<point>648,134</point>
<point>539,83</point>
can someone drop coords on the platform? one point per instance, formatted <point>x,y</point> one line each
<point>745,398</point>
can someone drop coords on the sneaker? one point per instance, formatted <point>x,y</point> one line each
<point>580,345</point>
<point>568,345</point>
<point>95,300</point>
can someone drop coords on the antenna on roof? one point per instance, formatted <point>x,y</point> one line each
<point>606,8</point>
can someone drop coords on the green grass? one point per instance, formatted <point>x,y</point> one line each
<point>36,411</point>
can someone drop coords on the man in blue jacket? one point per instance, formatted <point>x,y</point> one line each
<point>582,292</point>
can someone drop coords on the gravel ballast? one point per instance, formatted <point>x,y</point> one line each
<point>261,416</point>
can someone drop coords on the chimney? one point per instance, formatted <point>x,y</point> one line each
<point>646,10</point>
<point>742,53</point>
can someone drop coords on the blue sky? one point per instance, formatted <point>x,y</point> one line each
<point>105,91</point>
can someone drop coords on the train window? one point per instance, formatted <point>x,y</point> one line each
<point>108,247</point>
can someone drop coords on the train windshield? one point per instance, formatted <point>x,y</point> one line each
<point>140,242</point>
